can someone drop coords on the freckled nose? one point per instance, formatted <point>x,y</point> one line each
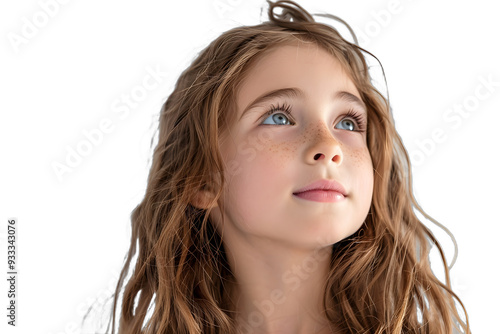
<point>323,147</point>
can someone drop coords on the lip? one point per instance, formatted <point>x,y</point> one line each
<point>324,196</point>
<point>322,186</point>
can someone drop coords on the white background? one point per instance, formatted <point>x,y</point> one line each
<point>72,72</point>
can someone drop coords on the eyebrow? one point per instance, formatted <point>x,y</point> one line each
<point>296,92</point>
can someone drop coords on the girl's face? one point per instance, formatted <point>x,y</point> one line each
<point>269,157</point>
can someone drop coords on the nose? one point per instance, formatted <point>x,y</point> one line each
<point>324,148</point>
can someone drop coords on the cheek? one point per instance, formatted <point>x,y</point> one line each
<point>361,162</point>
<point>261,164</point>
<point>261,149</point>
<point>265,164</point>
<point>258,184</point>
<point>361,158</point>
<point>279,154</point>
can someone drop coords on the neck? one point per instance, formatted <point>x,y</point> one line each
<point>283,299</point>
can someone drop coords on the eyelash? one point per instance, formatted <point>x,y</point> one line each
<point>351,113</point>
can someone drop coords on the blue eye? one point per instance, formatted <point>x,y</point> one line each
<point>278,116</point>
<point>349,124</point>
<point>355,121</point>
<point>351,121</point>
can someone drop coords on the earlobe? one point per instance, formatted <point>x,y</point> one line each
<point>203,199</point>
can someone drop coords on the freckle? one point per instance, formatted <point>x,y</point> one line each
<point>359,156</point>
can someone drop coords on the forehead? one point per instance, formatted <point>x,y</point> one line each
<point>303,65</point>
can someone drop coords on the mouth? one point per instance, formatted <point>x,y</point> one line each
<point>321,195</point>
<point>323,190</point>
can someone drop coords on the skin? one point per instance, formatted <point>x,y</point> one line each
<point>279,247</point>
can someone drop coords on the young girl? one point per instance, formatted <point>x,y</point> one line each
<point>280,198</point>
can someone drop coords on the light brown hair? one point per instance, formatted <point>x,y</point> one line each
<point>380,279</point>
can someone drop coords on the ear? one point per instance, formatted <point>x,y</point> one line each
<point>202,200</point>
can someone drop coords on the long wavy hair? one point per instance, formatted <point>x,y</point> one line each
<point>380,279</point>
